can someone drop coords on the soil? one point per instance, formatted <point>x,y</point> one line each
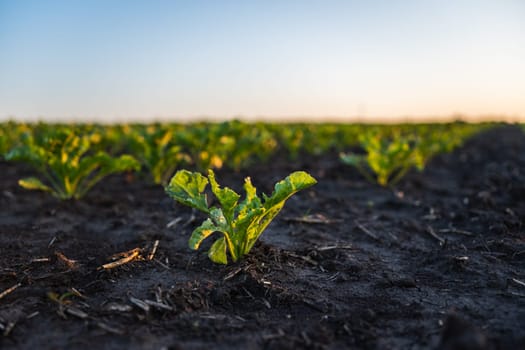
<point>436,263</point>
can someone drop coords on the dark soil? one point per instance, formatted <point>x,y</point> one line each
<point>437,263</point>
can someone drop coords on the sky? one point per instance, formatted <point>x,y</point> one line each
<point>124,60</point>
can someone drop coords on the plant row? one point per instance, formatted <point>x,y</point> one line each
<point>71,158</point>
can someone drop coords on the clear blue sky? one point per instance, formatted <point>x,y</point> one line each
<point>110,59</point>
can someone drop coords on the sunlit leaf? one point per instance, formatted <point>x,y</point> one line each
<point>241,224</point>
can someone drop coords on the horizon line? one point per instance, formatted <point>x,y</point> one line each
<point>455,117</point>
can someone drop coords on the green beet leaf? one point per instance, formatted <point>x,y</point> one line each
<point>187,188</point>
<point>33,183</point>
<point>241,224</point>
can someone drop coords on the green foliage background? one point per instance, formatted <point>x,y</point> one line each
<point>381,153</point>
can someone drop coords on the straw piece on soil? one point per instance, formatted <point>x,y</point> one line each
<point>158,305</point>
<point>266,303</point>
<point>70,263</point>
<point>140,304</point>
<point>518,254</point>
<point>305,258</point>
<point>8,328</point>
<point>434,235</point>
<point>280,333</point>
<point>173,222</point>
<point>332,247</point>
<point>8,194</point>
<point>77,293</point>
<point>153,250</point>
<point>9,290</point>
<point>162,264</point>
<point>313,219</point>
<point>158,294</point>
<point>31,315</point>
<point>455,230</point>
<point>366,231</point>
<point>76,312</point>
<point>127,253</point>
<point>118,307</point>
<point>53,240</point>
<point>128,256</point>
<point>109,328</point>
<point>518,282</point>
<point>232,274</point>
<point>192,218</point>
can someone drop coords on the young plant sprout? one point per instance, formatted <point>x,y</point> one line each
<point>155,147</point>
<point>68,168</point>
<point>240,223</point>
<point>387,159</point>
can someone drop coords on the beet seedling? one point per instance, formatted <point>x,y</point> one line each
<point>64,160</point>
<point>240,223</point>
<point>155,147</point>
<point>387,159</point>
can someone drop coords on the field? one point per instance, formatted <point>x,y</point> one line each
<point>421,246</point>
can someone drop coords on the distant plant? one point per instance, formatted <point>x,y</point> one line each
<point>154,146</point>
<point>240,223</point>
<point>68,166</point>
<point>290,138</point>
<point>316,139</point>
<point>387,158</point>
<point>10,134</point>
<point>4,142</point>
<point>208,145</point>
<point>391,151</point>
<point>253,143</point>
